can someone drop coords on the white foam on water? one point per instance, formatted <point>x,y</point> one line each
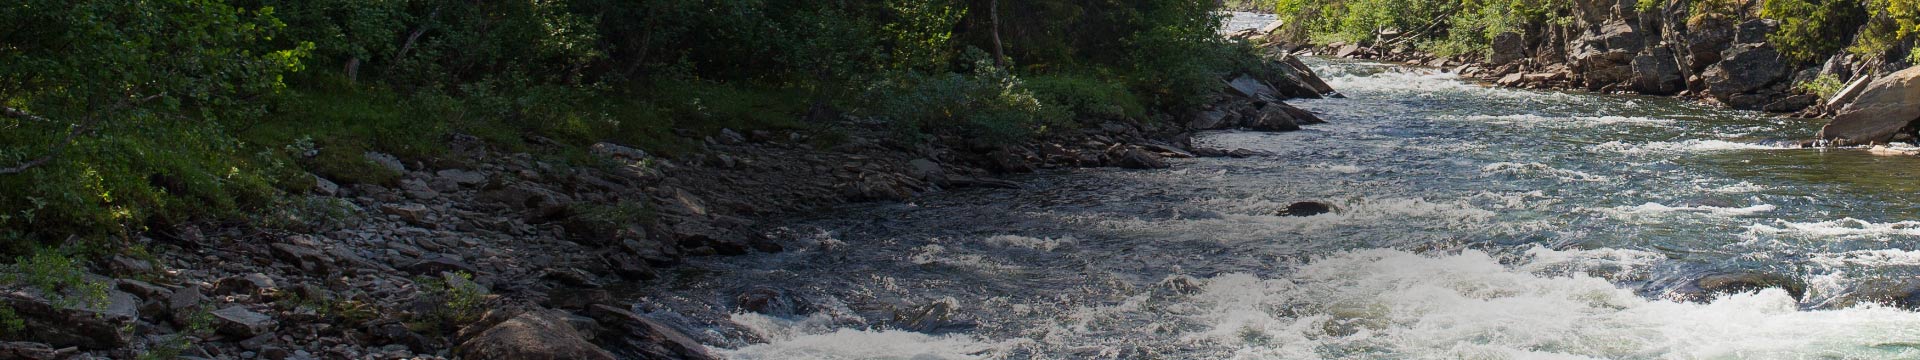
<point>1532,120</point>
<point>1542,169</point>
<point>1847,228</point>
<point>1042,244</point>
<point>1684,146</point>
<point>1343,169</point>
<point>1868,258</point>
<point>1656,209</point>
<point>1391,304</point>
<point>815,338</point>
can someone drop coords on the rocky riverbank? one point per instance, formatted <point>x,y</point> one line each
<point>502,254</point>
<point>1613,46</point>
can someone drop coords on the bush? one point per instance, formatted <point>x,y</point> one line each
<point>1083,96</point>
<point>987,104</point>
<point>1824,86</point>
<point>1811,30</point>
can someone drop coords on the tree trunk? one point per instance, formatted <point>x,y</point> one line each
<point>993,15</point>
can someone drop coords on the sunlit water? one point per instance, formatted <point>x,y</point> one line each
<point>1473,223</point>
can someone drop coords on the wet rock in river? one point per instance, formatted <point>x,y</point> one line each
<point>1706,288</point>
<point>1306,208</point>
<point>771,301</point>
<point>1132,157</point>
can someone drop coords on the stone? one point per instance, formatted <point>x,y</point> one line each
<point>1886,106</point>
<point>1747,67</point>
<point>1657,73</point>
<point>925,169</point>
<point>142,289</point>
<point>1848,93</point>
<point>419,189</point>
<point>463,177</point>
<point>527,197</point>
<point>631,336</point>
<point>324,187</point>
<point>1348,51</point>
<point>770,301</point>
<point>534,335</point>
<point>386,161</point>
<point>411,213</point>
<point>435,264</point>
<point>1508,47</point>
<point>1306,208</point>
<point>247,284</point>
<point>34,351</point>
<point>1252,88</point>
<point>1210,120</point>
<point>1707,287</point>
<point>305,258</point>
<point>617,151</point>
<point>68,326</point>
<point>1136,158</point>
<point>1792,103</point>
<point>238,321</point>
<point>1755,31</point>
<point>1274,117</point>
<point>730,137</point>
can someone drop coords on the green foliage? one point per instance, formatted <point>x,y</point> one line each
<point>1811,30</point>
<point>988,104</point>
<point>1823,86</point>
<point>195,110</point>
<point>1084,96</point>
<point>1444,27</point>
<point>1890,23</point>
<point>53,275</point>
<point>128,105</point>
<point>199,324</point>
<point>458,301</point>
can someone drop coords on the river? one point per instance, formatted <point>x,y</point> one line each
<point>1474,223</point>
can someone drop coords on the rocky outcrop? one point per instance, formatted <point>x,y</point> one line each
<point>1614,46</point>
<point>1880,111</point>
<point>534,335</point>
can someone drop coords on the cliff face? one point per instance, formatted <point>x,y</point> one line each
<point>1610,46</point>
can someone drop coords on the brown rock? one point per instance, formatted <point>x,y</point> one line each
<point>535,335</point>
<point>1887,105</point>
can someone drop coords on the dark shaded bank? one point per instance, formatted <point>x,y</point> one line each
<point>492,252</point>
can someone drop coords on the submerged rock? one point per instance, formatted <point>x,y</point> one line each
<point>1706,288</point>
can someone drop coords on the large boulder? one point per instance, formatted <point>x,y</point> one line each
<point>1657,73</point>
<point>1887,105</point>
<point>84,327</point>
<point>635,337</point>
<point>1253,88</point>
<point>535,335</point>
<point>1746,68</point>
<point>1508,47</point>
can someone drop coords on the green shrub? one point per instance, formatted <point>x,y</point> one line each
<point>1811,30</point>
<point>1824,86</point>
<point>987,104</point>
<point>1085,96</point>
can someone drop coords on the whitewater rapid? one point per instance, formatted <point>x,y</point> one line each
<point>1472,223</point>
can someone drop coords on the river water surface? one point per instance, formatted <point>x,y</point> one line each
<point>1473,223</point>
